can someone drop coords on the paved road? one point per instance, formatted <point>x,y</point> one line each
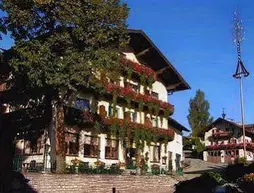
<point>199,166</point>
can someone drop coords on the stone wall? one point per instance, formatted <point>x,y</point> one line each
<point>68,183</point>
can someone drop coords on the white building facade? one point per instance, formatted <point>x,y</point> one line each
<point>90,140</point>
<point>224,142</point>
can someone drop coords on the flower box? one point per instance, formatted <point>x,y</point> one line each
<point>148,99</point>
<point>249,146</point>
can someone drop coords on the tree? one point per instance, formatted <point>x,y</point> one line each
<point>61,45</point>
<point>199,116</point>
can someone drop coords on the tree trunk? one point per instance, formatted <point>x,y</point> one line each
<point>6,152</point>
<point>52,138</point>
<point>60,140</point>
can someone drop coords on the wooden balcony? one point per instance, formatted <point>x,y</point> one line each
<point>220,135</point>
<point>85,118</point>
<point>249,146</point>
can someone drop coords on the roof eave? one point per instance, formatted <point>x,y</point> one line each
<point>184,84</point>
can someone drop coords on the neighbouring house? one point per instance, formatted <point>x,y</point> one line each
<point>137,126</point>
<point>224,141</point>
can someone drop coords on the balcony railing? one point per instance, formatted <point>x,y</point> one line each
<point>220,135</point>
<point>77,117</point>
<point>127,92</point>
<point>131,125</point>
<point>249,146</point>
<point>138,68</point>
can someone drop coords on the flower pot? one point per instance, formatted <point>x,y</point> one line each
<point>76,169</point>
<point>138,171</point>
<point>143,172</point>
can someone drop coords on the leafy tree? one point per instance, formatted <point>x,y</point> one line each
<point>199,116</point>
<point>195,144</point>
<point>61,44</point>
<point>199,147</point>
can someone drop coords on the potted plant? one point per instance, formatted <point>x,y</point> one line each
<point>75,163</point>
<point>155,169</point>
<point>142,167</point>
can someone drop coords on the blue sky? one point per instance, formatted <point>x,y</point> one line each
<point>196,37</point>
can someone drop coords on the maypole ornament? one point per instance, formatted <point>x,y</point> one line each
<point>238,34</point>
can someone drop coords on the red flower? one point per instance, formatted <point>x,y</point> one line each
<point>128,92</point>
<point>138,68</point>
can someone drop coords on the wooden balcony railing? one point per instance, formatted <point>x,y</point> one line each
<point>127,92</point>
<point>220,135</point>
<point>249,146</point>
<point>79,117</point>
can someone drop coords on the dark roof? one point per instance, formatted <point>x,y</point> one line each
<point>176,125</point>
<point>249,128</point>
<point>148,54</point>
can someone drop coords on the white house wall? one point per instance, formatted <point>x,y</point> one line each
<point>175,146</point>
<point>249,155</point>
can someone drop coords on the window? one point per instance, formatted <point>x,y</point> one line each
<point>33,146</point>
<point>134,117</point>
<point>111,110</point>
<point>232,140</point>
<point>228,153</point>
<point>111,149</point>
<point>156,154</point>
<point>147,92</point>
<point>91,146</point>
<point>155,122</point>
<point>82,104</point>
<point>134,87</point>
<point>155,95</point>
<point>170,155</point>
<point>71,143</point>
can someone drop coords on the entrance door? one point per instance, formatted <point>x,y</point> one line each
<point>178,161</point>
<point>170,164</point>
<point>130,154</point>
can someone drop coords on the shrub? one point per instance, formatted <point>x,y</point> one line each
<point>84,167</point>
<point>233,172</point>
<point>143,166</point>
<point>70,169</point>
<point>131,166</point>
<point>163,171</point>
<point>217,177</point>
<point>205,183</point>
<point>249,177</point>
<point>155,169</point>
<point>242,160</point>
<point>75,162</point>
<point>114,169</point>
<point>246,183</point>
